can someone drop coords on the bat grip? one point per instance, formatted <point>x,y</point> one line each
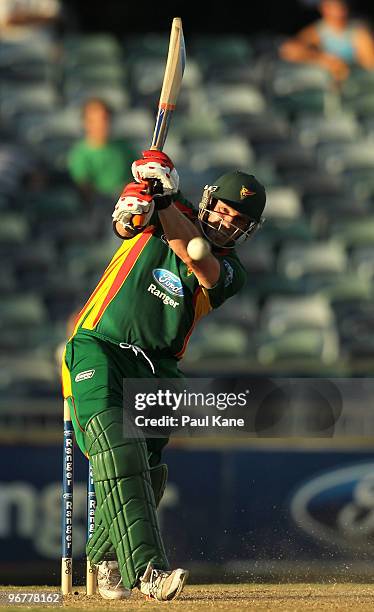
<point>154,186</point>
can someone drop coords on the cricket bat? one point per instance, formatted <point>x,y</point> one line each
<point>175,64</point>
<point>174,69</point>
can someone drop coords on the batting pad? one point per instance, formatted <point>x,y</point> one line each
<point>125,500</point>
<point>99,546</point>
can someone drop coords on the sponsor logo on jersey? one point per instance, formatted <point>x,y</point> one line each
<point>84,375</point>
<point>229,273</point>
<point>168,281</point>
<point>166,299</point>
<point>244,192</point>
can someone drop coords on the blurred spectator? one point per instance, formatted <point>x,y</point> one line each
<point>22,19</point>
<point>99,164</point>
<point>334,42</point>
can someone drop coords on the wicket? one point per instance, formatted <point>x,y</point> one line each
<point>67,511</point>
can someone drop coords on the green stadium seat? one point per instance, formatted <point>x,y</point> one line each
<point>281,314</point>
<point>116,96</point>
<point>219,341</point>
<point>282,203</point>
<point>312,131</point>
<point>14,229</point>
<point>233,100</point>
<point>289,78</point>
<point>200,126</point>
<point>298,260</point>
<point>21,98</point>
<point>353,232</point>
<point>231,50</point>
<point>300,349</point>
<point>149,45</point>
<point>22,310</point>
<point>91,48</point>
<point>109,74</point>
<point>133,123</point>
<point>362,261</point>
<point>348,289</point>
<point>231,152</point>
<point>282,231</point>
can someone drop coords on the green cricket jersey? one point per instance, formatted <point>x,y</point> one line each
<point>148,297</point>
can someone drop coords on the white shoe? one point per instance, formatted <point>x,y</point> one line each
<point>109,581</point>
<point>162,585</point>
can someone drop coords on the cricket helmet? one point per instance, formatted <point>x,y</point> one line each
<point>240,191</point>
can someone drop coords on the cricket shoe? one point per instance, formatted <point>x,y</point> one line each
<point>162,585</point>
<point>109,581</point>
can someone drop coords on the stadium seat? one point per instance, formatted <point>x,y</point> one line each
<point>359,83</point>
<point>21,98</point>
<point>199,126</point>
<point>312,131</point>
<point>282,231</point>
<point>281,314</point>
<point>149,45</point>
<point>263,130</point>
<point>282,203</point>
<point>299,260</point>
<point>355,330</point>
<point>14,229</point>
<point>133,123</point>
<point>297,89</point>
<point>146,76</point>
<point>228,153</point>
<point>293,162</point>
<point>33,263</point>
<point>56,203</point>
<point>299,350</point>
<point>91,48</point>
<point>231,51</point>
<point>243,313</point>
<point>218,341</point>
<point>348,289</point>
<point>257,258</point>
<point>289,78</point>
<point>115,96</point>
<point>111,74</point>
<point>8,281</point>
<point>353,232</point>
<point>234,100</point>
<point>337,158</point>
<point>362,261</point>
<point>22,310</point>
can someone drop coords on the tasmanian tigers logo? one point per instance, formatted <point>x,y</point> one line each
<point>244,192</point>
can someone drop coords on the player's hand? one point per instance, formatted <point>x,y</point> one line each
<point>134,207</point>
<point>157,165</point>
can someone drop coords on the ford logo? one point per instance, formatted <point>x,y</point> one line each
<point>168,281</point>
<point>338,507</point>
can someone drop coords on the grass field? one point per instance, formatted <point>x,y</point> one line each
<point>195,598</point>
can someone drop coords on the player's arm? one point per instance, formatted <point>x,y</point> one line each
<point>179,231</point>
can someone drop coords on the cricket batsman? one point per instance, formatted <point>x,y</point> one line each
<point>136,324</point>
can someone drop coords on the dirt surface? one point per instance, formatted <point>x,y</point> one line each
<point>264,597</point>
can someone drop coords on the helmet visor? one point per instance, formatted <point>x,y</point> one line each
<point>221,229</point>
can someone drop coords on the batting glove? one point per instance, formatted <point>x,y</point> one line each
<point>134,207</point>
<point>157,165</point>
